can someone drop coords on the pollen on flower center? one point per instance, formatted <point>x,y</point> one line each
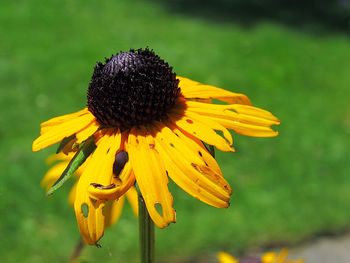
<point>131,89</point>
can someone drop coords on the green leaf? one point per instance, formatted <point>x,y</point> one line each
<point>65,142</point>
<point>79,158</point>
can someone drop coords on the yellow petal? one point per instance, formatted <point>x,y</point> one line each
<point>72,194</point>
<point>224,257</point>
<point>269,257</point>
<point>195,90</point>
<point>254,111</point>
<point>132,197</point>
<point>151,177</point>
<point>89,212</point>
<point>198,147</point>
<point>245,114</point>
<point>197,179</point>
<point>282,256</point>
<point>57,132</point>
<point>194,152</point>
<point>212,124</point>
<point>127,178</point>
<point>53,174</point>
<point>169,136</point>
<point>113,211</point>
<point>245,129</point>
<point>63,118</point>
<point>58,157</point>
<point>103,184</point>
<point>103,192</point>
<point>201,131</point>
<point>246,120</point>
<point>87,132</point>
<point>120,185</point>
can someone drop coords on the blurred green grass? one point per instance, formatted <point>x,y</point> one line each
<point>286,189</point>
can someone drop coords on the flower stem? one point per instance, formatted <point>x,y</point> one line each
<point>146,228</point>
<point>77,251</point>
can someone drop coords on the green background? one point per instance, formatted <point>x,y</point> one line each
<point>286,189</point>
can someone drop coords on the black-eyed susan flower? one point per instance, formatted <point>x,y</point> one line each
<point>278,257</point>
<point>268,257</point>
<point>224,257</point>
<point>158,123</point>
<point>113,209</point>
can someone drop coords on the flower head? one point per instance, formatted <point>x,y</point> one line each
<point>149,125</point>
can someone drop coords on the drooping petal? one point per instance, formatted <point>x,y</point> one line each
<point>243,119</point>
<point>212,124</point>
<point>195,90</point>
<point>57,131</point>
<point>114,208</point>
<point>113,211</point>
<point>89,212</point>
<point>151,177</point>
<point>254,111</point>
<point>121,185</point>
<point>201,131</point>
<point>189,171</point>
<point>245,129</point>
<point>132,197</point>
<point>197,146</point>
<point>235,112</point>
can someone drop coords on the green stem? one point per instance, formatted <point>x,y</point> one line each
<point>77,251</point>
<point>146,228</point>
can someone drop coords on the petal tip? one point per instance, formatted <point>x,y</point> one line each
<point>35,147</point>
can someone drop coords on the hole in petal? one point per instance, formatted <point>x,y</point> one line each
<point>200,154</point>
<point>172,145</point>
<point>159,208</point>
<point>85,210</point>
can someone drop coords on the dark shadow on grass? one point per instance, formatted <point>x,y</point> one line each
<point>322,16</point>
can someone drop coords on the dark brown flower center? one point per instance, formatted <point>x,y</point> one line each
<point>131,89</point>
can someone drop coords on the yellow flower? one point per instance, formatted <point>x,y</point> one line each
<point>268,257</point>
<point>138,107</point>
<point>113,208</point>
<point>224,257</point>
<point>281,257</point>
